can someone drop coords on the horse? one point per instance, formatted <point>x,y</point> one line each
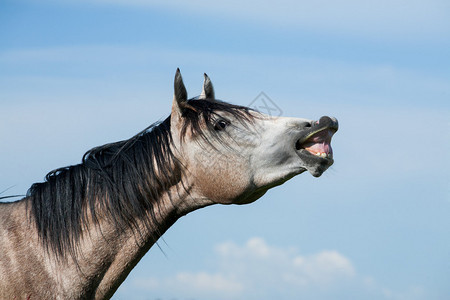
<point>78,234</point>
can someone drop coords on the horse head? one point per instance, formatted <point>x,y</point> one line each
<point>234,154</point>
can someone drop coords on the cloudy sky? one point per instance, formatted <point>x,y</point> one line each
<point>77,74</point>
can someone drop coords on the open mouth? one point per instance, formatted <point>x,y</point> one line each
<point>318,144</point>
<point>318,141</point>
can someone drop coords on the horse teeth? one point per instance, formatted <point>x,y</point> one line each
<point>323,154</point>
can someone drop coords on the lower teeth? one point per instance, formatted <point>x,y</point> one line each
<point>323,154</point>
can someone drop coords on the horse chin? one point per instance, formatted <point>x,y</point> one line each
<point>315,165</point>
<point>318,170</point>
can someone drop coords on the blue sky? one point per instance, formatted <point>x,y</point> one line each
<point>77,74</point>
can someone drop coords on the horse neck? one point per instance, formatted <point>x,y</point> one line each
<point>107,257</point>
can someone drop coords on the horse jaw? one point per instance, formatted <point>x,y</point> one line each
<point>275,160</point>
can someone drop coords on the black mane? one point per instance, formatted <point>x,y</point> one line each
<point>122,181</point>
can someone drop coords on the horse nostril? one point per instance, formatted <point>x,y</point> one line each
<point>305,125</point>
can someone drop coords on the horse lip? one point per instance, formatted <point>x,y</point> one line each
<point>333,127</point>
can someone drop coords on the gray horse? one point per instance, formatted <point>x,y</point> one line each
<point>80,233</point>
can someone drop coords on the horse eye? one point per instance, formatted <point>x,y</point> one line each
<point>220,125</point>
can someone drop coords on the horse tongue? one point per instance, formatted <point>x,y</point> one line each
<point>319,148</point>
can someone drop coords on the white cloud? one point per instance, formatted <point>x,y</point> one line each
<point>258,270</point>
<point>323,268</point>
<point>283,267</point>
<point>192,283</point>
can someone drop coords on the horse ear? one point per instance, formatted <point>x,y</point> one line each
<point>208,89</point>
<point>180,94</point>
<point>178,105</point>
